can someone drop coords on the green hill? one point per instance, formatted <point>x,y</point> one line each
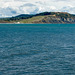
<point>45,17</point>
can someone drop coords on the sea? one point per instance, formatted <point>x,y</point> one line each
<point>37,49</point>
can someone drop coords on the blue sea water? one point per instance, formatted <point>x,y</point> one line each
<point>37,49</point>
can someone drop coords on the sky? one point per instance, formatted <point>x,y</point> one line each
<point>10,8</point>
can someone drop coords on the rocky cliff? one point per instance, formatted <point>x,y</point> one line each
<point>56,19</point>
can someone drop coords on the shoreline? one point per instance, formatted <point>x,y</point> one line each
<point>37,23</point>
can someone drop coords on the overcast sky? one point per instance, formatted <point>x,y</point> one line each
<point>16,7</point>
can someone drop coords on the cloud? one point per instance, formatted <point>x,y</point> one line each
<point>16,7</point>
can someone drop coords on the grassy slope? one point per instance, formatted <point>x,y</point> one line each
<point>31,20</point>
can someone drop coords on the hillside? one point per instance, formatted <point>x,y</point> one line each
<point>45,17</point>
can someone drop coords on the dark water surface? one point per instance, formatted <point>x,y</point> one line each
<point>42,49</point>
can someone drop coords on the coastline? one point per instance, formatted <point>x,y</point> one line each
<point>41,18</point>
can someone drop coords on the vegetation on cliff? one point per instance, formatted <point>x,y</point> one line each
<point>45,17</point>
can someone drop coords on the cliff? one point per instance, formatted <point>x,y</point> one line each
<point>46,17</point>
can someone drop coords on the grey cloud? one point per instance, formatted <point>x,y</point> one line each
<point>29,4</point>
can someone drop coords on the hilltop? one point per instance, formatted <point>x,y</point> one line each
<point>45,17</point>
